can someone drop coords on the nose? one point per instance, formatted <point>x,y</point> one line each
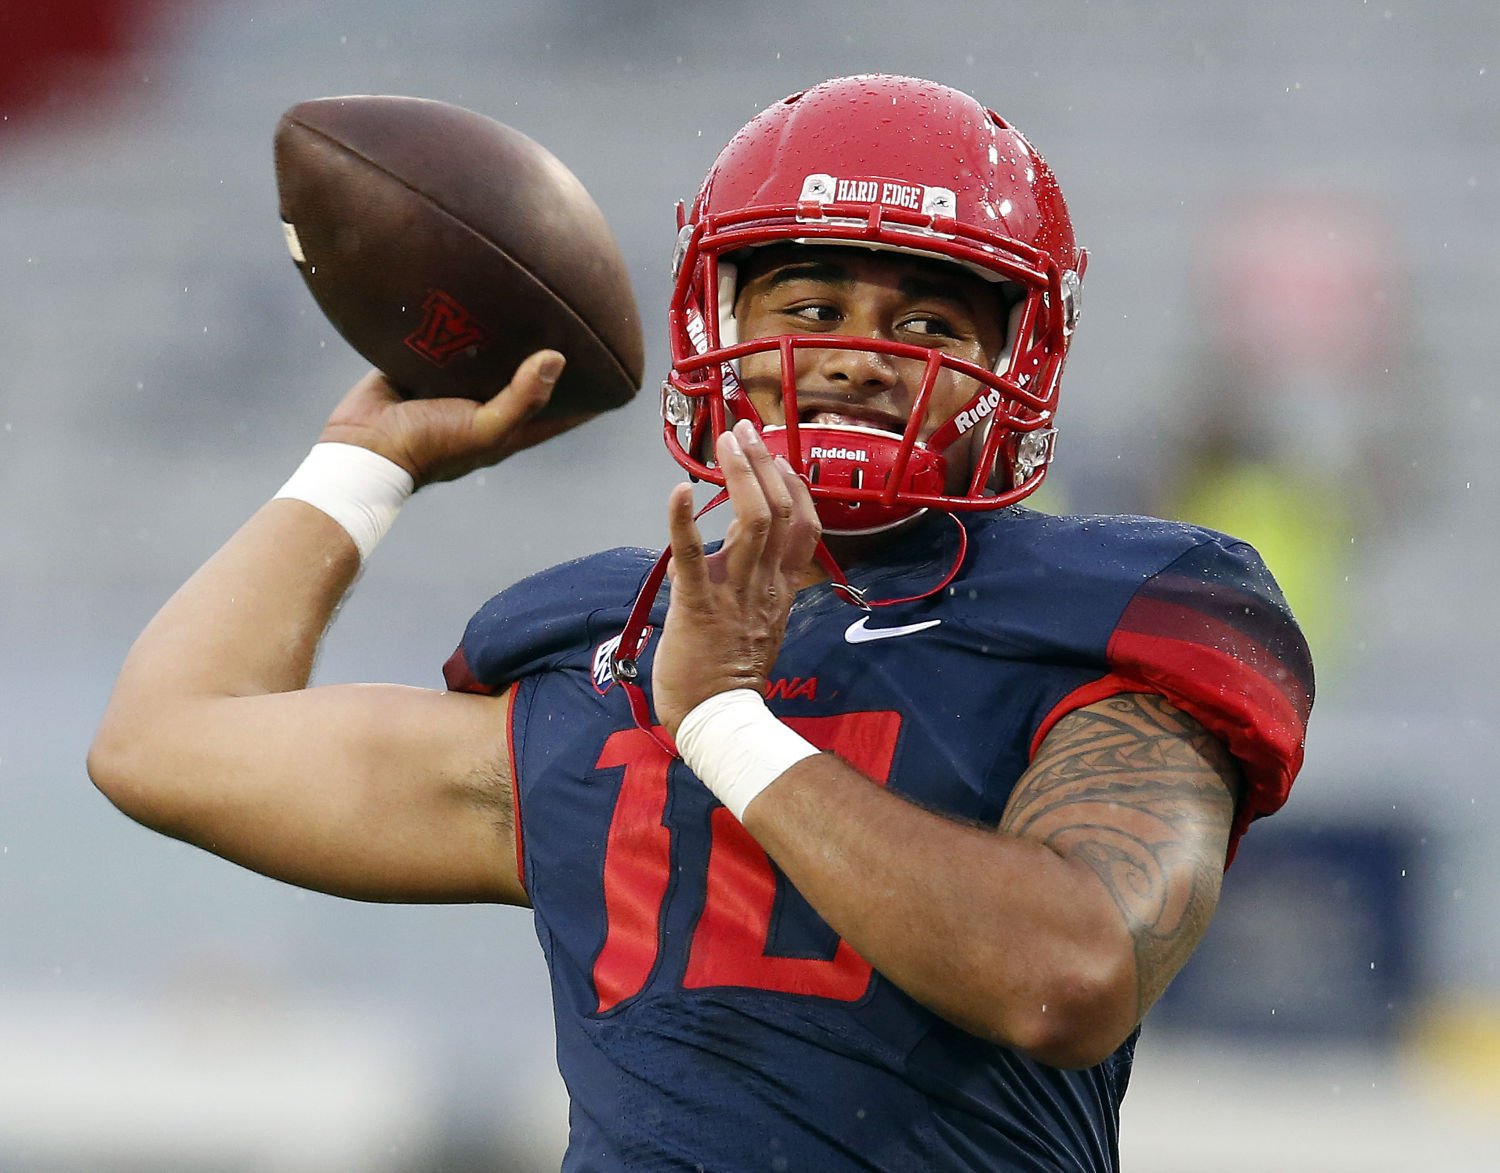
<point>858,370</point>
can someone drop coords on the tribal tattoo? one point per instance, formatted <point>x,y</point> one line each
<point>1145,796</point>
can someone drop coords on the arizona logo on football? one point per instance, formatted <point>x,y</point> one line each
<point>447,330</point>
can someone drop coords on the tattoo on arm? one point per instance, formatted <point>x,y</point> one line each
<point>1145,796</point>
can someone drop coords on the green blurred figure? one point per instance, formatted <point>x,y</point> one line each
<point>1289,426</point>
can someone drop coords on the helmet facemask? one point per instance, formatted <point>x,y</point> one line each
<point>1001,218</point>
<point>865,479</point>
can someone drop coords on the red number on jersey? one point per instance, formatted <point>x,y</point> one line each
<point>729,942</point>
<point>637,866</point>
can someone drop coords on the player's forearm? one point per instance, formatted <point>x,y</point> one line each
<point>248,622</point>
<point>998,934</point>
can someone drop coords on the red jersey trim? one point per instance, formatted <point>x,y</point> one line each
<point>515,785</point>
<point>1080,698</point>
<point>1269,754</point>
<point>1152,620</point>
<point>460,678</point>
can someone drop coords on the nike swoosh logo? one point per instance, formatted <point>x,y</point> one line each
<point>858,633</point>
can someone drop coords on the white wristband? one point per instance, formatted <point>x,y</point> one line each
<point>359,489</point>
<point>738,747</point>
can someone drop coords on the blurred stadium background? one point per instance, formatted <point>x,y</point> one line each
<point>1289,332</point>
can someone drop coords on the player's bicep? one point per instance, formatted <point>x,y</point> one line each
<point>1140,793</point>
<point>374,792</point>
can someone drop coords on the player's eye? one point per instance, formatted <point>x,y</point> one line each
<point>816,312</point>
<point>930,326</point>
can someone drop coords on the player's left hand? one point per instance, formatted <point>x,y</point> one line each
<point>729,609</point>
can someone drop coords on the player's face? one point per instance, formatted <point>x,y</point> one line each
<point>796,289</point>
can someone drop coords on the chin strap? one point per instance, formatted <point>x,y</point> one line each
<point>852,594</point>
<point>624,662</point>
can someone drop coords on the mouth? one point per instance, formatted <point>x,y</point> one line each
<point>866,420</point>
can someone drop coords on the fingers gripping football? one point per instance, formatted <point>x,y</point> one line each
<point>442,439</point>
<point>729,609</point>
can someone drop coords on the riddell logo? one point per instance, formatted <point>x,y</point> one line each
<point>966,419</point>
<point>858,454</point>
<point>447,330</point>
<point>697,332</point>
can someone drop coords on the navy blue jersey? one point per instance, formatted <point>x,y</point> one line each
<point>706,1016</point>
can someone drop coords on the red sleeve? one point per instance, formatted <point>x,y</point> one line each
<point>1213,635</point>
<point>459,677</point>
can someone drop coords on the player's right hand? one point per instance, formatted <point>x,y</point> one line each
<point>728,610</point>
<point>443,439</point>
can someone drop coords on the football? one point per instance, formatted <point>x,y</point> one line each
<point>445,247</point>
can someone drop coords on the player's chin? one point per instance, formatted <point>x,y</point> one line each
<point>768,407</point>
<point>959,461</point>
<point>956,477</point>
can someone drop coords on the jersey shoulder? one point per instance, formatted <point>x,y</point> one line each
<point>546,618</point>
<point>1188,613</point>
<point>1057,585</point>
<point>1081,572</point>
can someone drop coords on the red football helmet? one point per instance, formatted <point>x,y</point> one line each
<point>885,163</point>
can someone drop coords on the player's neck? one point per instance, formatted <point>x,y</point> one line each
<point>852,550</point>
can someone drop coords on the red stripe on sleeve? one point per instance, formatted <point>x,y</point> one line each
<point>1250,714</point>
<point>460,678</point>
<point>1080,698</point>
<point>515,784</point>
<point>1253,719</point>
<point>1149,619</point>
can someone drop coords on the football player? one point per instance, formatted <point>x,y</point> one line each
<point>863,839</point>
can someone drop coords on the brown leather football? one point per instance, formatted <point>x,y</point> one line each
<point>445,247</point>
